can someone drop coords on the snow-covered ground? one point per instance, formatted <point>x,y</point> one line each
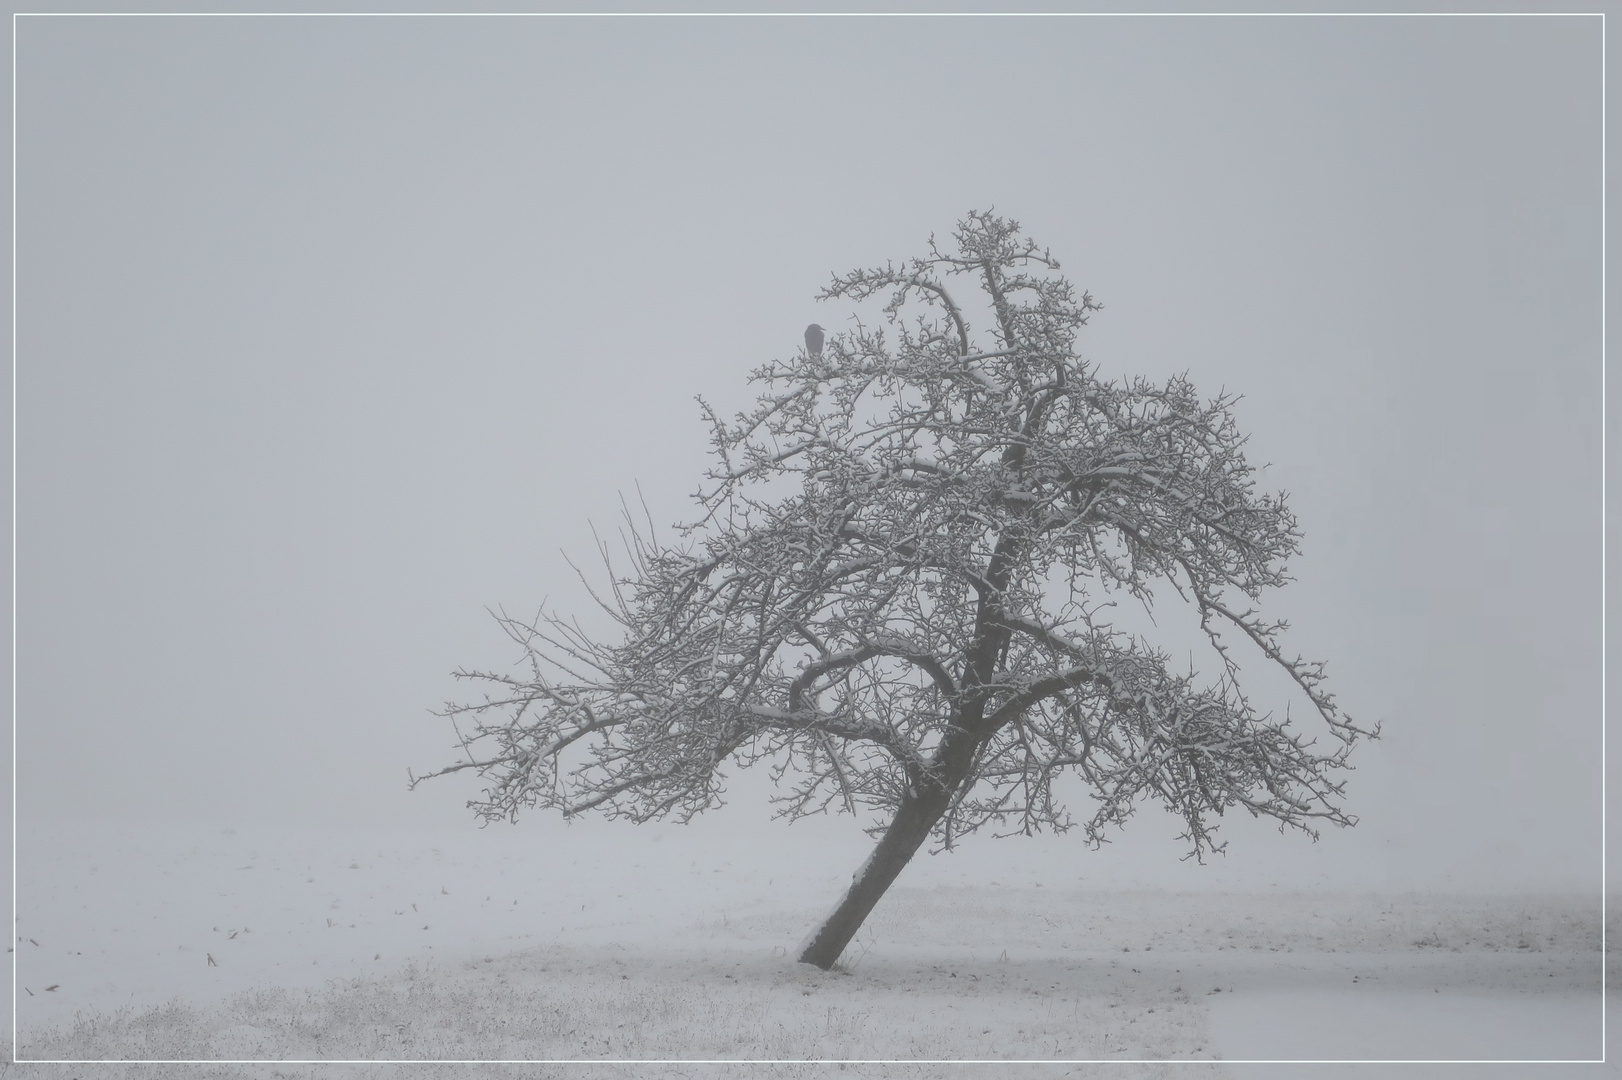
<point>606,941</point>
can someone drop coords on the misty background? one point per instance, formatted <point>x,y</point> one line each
<point>334,332</point>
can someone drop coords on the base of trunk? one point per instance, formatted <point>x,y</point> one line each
<point>901,841</point>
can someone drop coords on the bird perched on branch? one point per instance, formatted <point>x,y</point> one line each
<point>813,340</point>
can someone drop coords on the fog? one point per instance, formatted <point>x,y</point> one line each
<point>334,333</point>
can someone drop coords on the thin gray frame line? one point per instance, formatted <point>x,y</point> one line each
<point>817,14</point>
<point>1603,501</point>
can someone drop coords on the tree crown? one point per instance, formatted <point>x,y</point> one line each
<point>899,578</point>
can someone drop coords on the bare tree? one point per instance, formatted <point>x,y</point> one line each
<point>896,596</point>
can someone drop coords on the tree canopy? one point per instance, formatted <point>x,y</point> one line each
<point>897,592</point>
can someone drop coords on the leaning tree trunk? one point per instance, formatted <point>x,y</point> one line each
<point>907,832</point>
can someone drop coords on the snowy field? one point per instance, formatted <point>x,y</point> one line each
<point>603,941</point>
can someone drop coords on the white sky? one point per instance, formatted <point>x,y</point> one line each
<point>333,332</point>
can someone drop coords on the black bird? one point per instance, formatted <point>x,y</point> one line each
<point>813,341</point>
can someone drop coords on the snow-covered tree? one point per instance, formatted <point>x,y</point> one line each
<point>897,595</point>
